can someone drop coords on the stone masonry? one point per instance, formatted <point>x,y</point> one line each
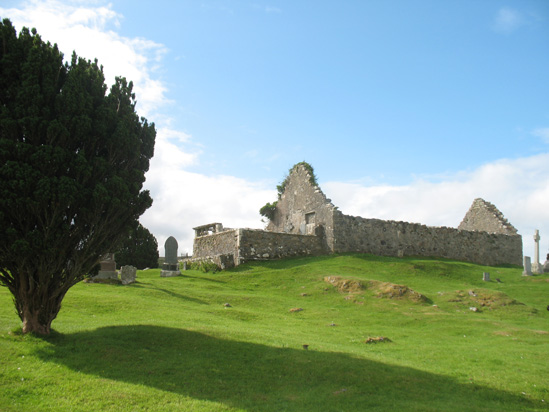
<point>305,222</point>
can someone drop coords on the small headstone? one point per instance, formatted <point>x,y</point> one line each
<point>546,265</point>
<point>170,266</point>
<point>486,276</point>
<point>128,274</point>
<point>107,269</point>
<point>527,266</point>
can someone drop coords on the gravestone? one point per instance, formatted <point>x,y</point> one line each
<point>527,266</point>
<point>171,265</point>
<point>128,274</point>
<point>107,269</point>
<point>546,264</point>
<point>486,276</point>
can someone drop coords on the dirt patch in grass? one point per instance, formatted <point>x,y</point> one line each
<point>345,285</point>
<point>378,339</point>
<point>393,291</point>
<point>481,298</point>
<point>379,289</point>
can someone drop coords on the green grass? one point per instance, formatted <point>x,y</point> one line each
<point>170,344</point>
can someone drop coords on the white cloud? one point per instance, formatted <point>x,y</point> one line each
<point>183,200</point>
<point>519,188</point>
<point>85,29</point>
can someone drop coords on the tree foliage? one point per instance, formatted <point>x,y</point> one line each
<point>72,165</point>
<point>139,249</point>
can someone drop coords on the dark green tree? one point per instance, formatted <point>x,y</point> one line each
<point>139,249</point>
<point>72,165</point>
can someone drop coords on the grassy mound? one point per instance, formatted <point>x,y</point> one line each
<point>386,290</point>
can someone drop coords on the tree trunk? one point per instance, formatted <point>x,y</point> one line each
<point>38,310</point>
<point>32,323</point>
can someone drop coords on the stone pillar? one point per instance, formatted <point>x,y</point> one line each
<point>536,266</point>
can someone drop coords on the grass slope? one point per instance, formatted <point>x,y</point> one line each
<point>167,344</point>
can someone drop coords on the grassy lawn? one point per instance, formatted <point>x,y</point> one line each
<point>171,344</point>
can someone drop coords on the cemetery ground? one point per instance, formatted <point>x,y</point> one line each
<point>237,340</point>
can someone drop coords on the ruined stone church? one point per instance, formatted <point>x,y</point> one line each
<point>305,222</point>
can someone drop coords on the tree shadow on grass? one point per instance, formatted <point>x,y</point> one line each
<point>257,377</point>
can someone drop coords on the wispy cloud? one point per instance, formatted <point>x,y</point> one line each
<point>508,20</point>
<point>542,133</point>
<point>270,9</point>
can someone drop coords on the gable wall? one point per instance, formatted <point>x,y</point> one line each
<point>300,198</point>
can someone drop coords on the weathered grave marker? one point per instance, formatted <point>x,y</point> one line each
<point>107,268</point>
<point>527,266</point>
<point>486,276</point>
<point>171,265</point>
<point>128,274</point>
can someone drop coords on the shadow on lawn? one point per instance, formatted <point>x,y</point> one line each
<point>263,378</point>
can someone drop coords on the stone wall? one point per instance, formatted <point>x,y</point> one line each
<point>303,207</point>
<point>483,216</point>
<point>305,222</point>
<point>263,245</point>
<point>391,238</point>
<point>241,245</point>
<point>222,243</point>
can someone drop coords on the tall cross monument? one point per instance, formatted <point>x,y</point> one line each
<point>536,266</point>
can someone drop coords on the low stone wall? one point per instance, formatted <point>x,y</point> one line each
<point>222,243</point>
<point>391,238</point>
<point>241,245</point>
<point>263,245</point>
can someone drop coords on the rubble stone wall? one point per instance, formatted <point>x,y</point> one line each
<point>263,245</point>
<point>391,238</point>
<point>222,243</point>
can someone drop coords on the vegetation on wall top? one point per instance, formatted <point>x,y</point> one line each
<point>269,209</point>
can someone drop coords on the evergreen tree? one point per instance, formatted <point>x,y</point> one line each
<point>140,249</point>
<point>72,165</point>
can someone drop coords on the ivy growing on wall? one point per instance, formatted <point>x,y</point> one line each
<point>269,209</point>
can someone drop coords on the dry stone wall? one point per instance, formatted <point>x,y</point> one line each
<point>236,246</point>
<point>221,243</point>
<point>261,245</point>
<point>391,238</point>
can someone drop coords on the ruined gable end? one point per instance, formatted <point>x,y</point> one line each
<point>483,216</point>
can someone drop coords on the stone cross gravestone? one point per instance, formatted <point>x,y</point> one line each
<point>527,266</point>
<point>536,266</point>
<point>128,274</point>
<point>171,265</point>
<point>107,269</point>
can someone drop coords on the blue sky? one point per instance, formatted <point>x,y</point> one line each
<point>407,110</point>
